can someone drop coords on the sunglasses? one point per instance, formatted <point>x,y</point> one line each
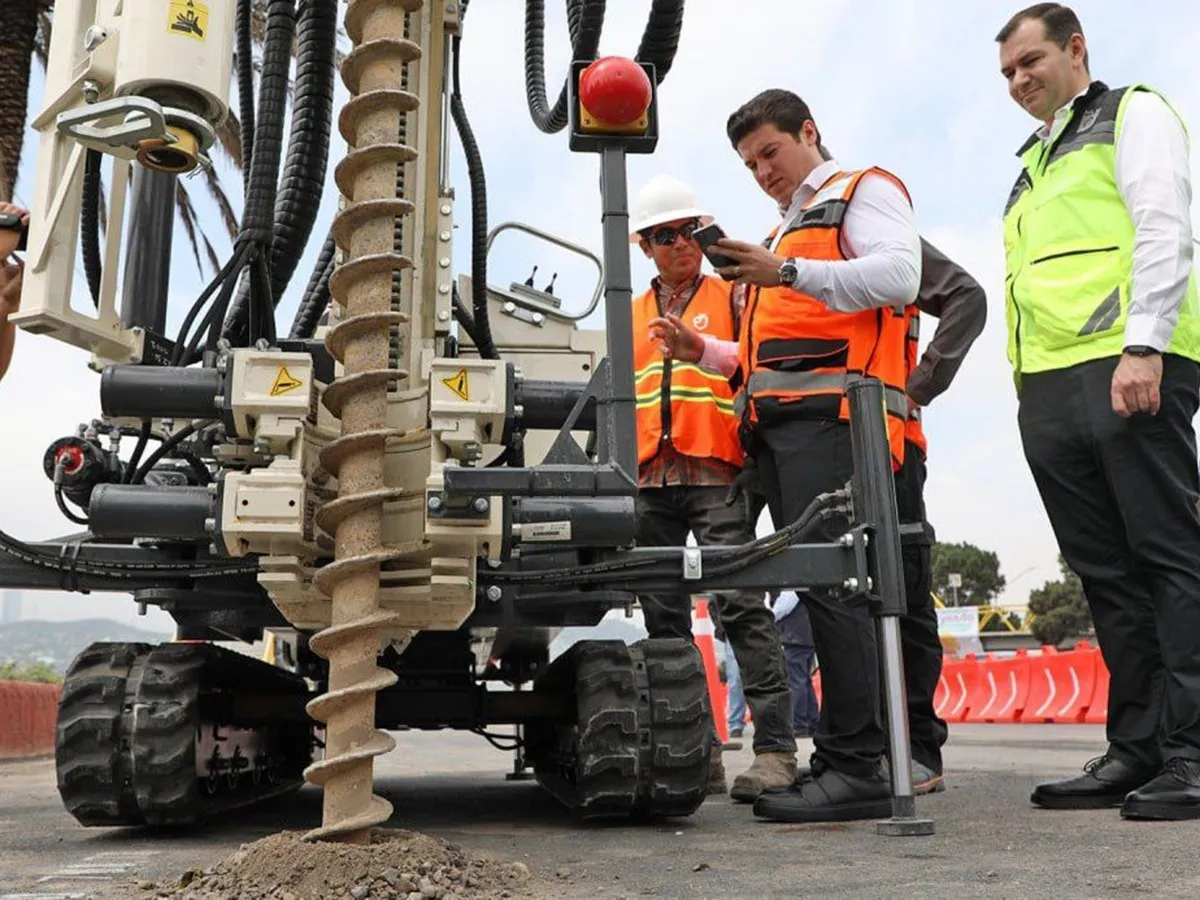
<point>665,236</point>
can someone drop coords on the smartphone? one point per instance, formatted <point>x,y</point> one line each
<point>12,222</point>
<point>706,237</point>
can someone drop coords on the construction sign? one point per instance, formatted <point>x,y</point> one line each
<point>459,384</point>
<point>188,18</point>
<point>284,382</point>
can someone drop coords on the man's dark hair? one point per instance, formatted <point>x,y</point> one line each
<point>783,109</point>
<point>1059,21</point>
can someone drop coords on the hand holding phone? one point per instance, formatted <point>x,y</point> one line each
<point>14,230</point>
<point>706,237</point>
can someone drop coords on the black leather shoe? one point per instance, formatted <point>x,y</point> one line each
<point>829,797</point>
<point>1173,795</point>
<point>1105,782</point>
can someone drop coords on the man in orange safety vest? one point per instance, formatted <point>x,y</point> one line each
<point>689,454</point>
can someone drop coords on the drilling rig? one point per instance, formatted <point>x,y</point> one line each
<point>417,486</point>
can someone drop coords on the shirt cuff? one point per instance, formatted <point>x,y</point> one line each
<point>1148,331</point>
<point>719,356</point>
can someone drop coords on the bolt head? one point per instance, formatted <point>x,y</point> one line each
<point>850,584</point>
<point>443,236</point>
<point>443,316</point>
<point>444,262</point>
<point>94,37</point>
<point>434,503</point>
<point>494,593</point>
<point>481,504</point>
<point>443,289</point>
<point>446,209</point>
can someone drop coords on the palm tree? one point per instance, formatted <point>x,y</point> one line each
<point>25,29</point>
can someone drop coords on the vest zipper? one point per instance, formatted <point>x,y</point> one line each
<point>1042,259</point>
<point>1012,292</point>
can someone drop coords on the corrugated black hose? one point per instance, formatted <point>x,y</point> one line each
<point>299,197</point>
<point>245,76</point>
<point>585,19</point>
<point>316,295</point>
<point>259,213</point>
<point>479,222</point>
<point>89,223</point>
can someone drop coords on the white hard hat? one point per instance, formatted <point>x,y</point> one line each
<point>663,199</point>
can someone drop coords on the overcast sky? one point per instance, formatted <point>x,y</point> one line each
<point>910,86</point>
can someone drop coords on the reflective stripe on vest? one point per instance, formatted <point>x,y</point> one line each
<point>1068,240</point>
<point>796,356</point>
<point>697,415</point>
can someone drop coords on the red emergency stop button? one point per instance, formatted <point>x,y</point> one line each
<point>615,94</point>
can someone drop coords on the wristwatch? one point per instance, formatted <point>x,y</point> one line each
<point>788,272</point>
<point>1141,350</point>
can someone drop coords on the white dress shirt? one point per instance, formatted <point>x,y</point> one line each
<point>882,249</point>
<point>1155,183</point>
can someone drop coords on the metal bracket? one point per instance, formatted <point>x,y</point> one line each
<point>693,563</point>
<point>144,120</point>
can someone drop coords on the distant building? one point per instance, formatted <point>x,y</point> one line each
<point>10,610</point>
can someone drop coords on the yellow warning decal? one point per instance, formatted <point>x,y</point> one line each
<point>188,18</point>
<point>284,382</point>
<point>459,384</point>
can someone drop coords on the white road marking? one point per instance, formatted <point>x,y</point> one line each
<point>104,866</point>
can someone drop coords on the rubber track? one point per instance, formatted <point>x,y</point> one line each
<point>164,752</point>
<point>641,740</point>
<point>679,727</point>
<point>94,780</point>
<point>127,729</point>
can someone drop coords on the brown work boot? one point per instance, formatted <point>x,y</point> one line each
<point>716,773</point>
<point>773,769</point>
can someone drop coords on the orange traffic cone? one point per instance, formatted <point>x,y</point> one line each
<point>702,634</point>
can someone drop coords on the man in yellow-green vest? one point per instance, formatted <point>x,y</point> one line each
<point>1104,339</point>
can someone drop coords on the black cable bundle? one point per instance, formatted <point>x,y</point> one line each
<point>299,198</point>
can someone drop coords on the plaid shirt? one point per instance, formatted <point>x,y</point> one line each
<point>669,467</point>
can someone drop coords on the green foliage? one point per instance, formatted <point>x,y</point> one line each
<point>40,672</point>
<point>979,569</point>
<point>1059,608</point>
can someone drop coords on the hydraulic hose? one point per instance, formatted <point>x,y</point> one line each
<point>585,19</point>
<point>258,216</point>
<point>89,223</point>
<point>660,40</point>
<point>316,295</point>
<point>463,316</point>
<point>299,196</point>
<point>245,76</point>
<point>475,175</point>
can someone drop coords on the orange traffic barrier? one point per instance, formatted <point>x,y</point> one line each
<point>1061,685</point>
<point>702,635</point>
<point>28,712</point>
<point>951,700</point>
<point>1000,691</point>
<point>1097,711</point>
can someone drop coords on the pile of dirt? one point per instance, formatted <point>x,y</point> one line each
<point>396,864</point>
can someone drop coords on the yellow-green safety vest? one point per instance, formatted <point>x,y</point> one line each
<point>1068,241</point>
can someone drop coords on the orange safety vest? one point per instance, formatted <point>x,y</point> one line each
<point>798,356</point>
<point>913,432</point>
<point>678,401</point>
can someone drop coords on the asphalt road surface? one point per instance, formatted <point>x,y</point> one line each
<point>989,841</point>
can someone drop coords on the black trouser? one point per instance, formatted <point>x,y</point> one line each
<point>921,646</point>
<point>1121,494</point>
<point>665,516</point>
<point>797,460</point>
